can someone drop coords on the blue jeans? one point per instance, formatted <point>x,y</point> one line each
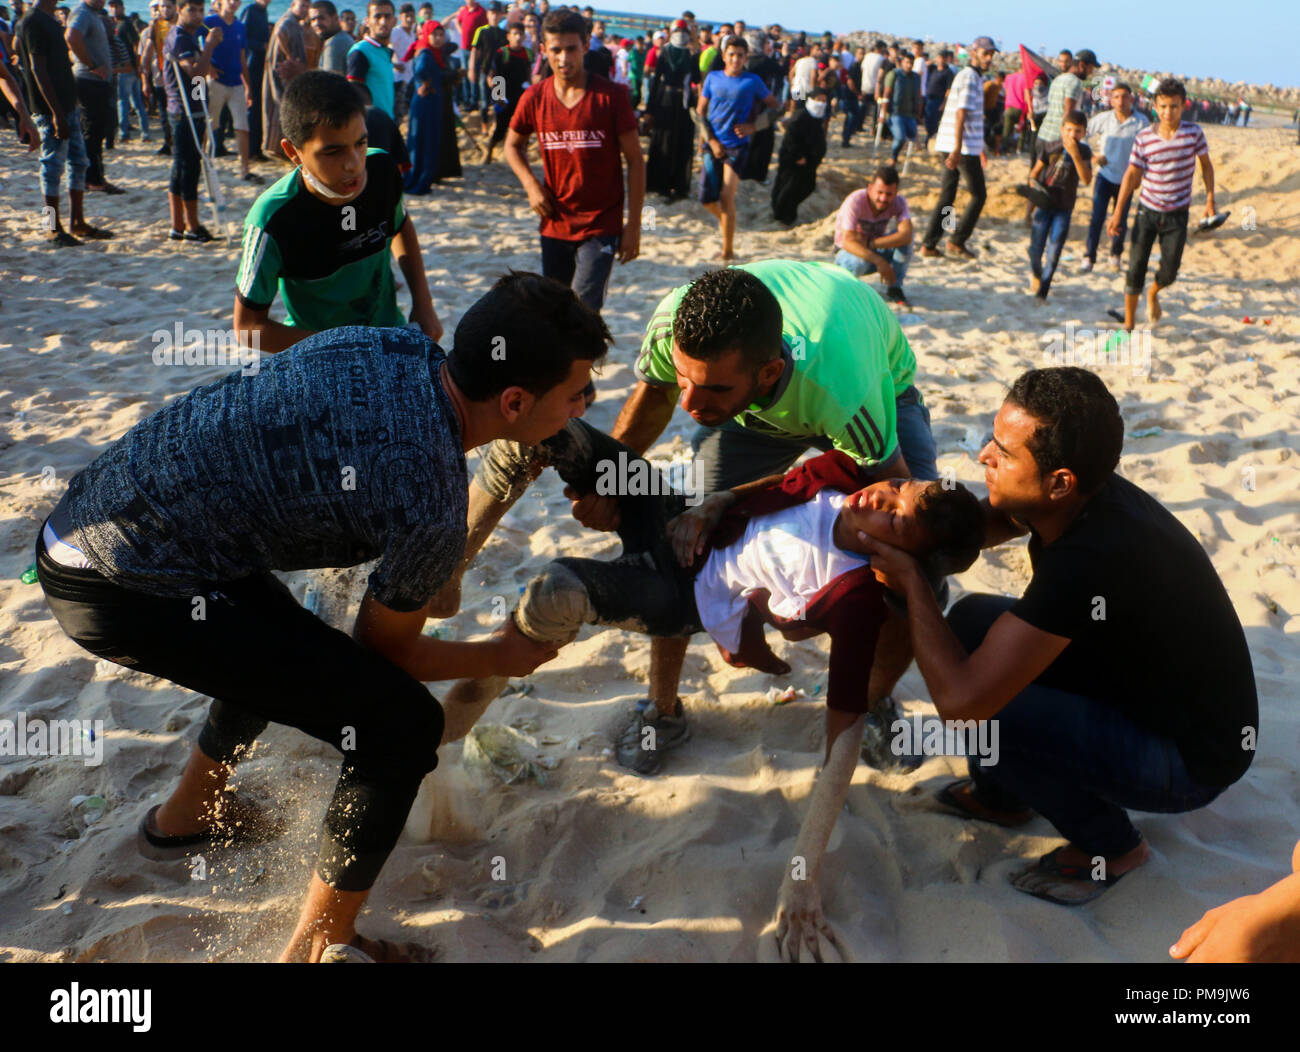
<point>586,265</point>
<point>899,259</point>
<point>129,93</point>
<point>1102,194</point>
<point>1076,760</point>
<point>466,90</point>
<point>852,114</point>
<point>58,153</point>
<point>1051,226</point>
<point>904,128</point>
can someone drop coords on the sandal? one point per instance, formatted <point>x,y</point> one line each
<point>1044,880</point>
<point>968,805</point>
<point>242,825</point>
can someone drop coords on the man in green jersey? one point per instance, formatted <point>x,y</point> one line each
<point>321,236</point>
<point>772,359</point>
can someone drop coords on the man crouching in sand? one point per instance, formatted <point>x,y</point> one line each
<point>348,447</point>
<point>780,551</point>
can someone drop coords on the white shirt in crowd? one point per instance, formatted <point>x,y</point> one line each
<point>966,93</point>
<point>399,42</point>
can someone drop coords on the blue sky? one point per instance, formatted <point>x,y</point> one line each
<point>1255,43</point>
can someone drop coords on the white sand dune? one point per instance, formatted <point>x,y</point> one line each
<point>598,864</point>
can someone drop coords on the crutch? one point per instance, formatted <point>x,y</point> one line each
<point>908,159</point>
<point>880,125</point>
<point>210,178</point>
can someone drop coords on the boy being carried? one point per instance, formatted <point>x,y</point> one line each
<point>782,551</point>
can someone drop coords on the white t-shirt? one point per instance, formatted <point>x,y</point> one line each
<point>399,41</point>
<point>966,93</point>
<point>791,553</point>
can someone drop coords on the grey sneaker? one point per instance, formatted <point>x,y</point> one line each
<point>342,953</point>
<point>878,735</point>
<point>647,736</point>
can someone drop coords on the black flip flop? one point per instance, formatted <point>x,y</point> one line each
<point>1117,315</point>
<point>947,796</point>
<point>1050,867</point>
<point>1213,222</point>
<point>161,848</point>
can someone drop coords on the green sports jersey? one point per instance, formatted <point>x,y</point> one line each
<point>847,360</point>
<point>330,263</point>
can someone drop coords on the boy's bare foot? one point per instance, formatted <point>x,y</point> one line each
<point>1153,304</point>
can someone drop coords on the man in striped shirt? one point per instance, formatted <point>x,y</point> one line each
<point>1163,161</point>
<point>961,137</point>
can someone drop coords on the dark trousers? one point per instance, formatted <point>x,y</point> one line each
<point>160,100</point>
<point>1103,193</point>
<point>262,658</point>
<point>586,265</point>
<point>1170,229</point>
<point>933,114</point>
<point>187,165</point>
<point>852,115</point>
<point>95,98</point>
<point>969,170</point>
<point>256,64</point>
<point>1078,761</point>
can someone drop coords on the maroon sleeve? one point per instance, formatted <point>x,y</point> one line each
<point>853,622</point>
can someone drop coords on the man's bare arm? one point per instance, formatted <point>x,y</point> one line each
<point>644,415</point>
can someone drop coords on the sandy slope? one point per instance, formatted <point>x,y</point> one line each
<point>701,848</point>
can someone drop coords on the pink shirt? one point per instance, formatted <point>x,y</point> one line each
<point>856,215</point>
<point>1016,85</point>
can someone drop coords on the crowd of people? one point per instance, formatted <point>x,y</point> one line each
<point>771,360</point>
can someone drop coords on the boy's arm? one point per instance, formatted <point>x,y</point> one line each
<point>1132,178</point>
<point>539,196</point>
<point>1081,164</point>
<point>800,923</point>
<point>630,245</point>
<point>255,328</point>
<point>1207,173</point>
<point>406,250</point>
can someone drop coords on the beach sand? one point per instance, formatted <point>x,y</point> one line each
<point>597,864</point>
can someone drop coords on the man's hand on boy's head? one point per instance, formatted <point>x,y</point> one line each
<point>893,567</point>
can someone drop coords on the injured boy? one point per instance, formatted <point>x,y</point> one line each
<point>782,551</point>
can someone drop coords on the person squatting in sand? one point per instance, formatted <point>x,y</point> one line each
<point>771,359</point>
<point>1120,680</point>
<point>321,236</point>
<point>347,448</point>
<point>780,551</point>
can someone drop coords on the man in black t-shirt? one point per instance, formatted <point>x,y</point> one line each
<point>1120,679</point>
<point>52,90</point>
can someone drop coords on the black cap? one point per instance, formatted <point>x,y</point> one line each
<point>1088,56</point>
<point>497,6</point>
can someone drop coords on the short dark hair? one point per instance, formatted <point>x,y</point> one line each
<point>735,41</point>
<point>727,310</point>
<point>380,3</point>
<point>545,329</point>
<point>1079,426</point>
<point>1076,117</point>
<point>1171,88</point>
<point>327,6</point>
<point>1121,86</point>
<point>406,9</point>
<point>952,516</point>
<point>887,174</point>
<point>315,98</point>
<point>560,22</point>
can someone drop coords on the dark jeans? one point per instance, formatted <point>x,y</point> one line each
<point>586,265</point>
<point>852,115</point>
<point>645,588</point>
<point>262,658</point>
<point>95,97</point>
<point>1102,195</point>
<point>187,165</point>
<point>160,100</point>
<point>1076,760</point>
<point>969,170</point>
<point>1046,239</point>
<point>933,114</point>
<point>1149,225</point>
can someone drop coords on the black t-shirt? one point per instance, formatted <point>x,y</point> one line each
<point>1151,628</point>
<point>938,82</point>
<point>383,133</point>
<point>515,68</point>
<point>599,61</point>
<point>1059,174</point>
<point>41,35</point>
<point>490,40</point>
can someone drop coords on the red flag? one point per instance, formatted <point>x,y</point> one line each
<point>1034,65</point>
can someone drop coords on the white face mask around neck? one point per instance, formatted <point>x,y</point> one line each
<point>320,188</point>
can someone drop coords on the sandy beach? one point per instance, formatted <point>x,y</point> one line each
<point>595,864</point>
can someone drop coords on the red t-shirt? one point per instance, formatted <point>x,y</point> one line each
<point>580,154</point>
<point>469,21</point>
